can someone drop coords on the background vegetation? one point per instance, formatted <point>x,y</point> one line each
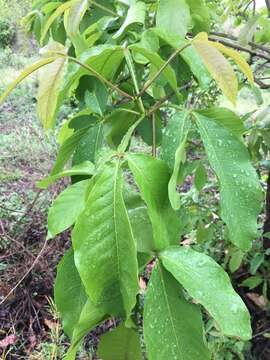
<point>28,320</point>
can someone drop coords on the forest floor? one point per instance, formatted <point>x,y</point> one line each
<point>29,325</point>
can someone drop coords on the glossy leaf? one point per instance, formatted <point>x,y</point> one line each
<point>173,328</point>
<point>210,286</point>
<point>66,208</point>
<point>69,294</point>
<point>240,191</point>
<point>152,177</point>
<point>225,118</point>
<point>104,246</point>
<point>218,66</point>
<point>173,150</point>
<point>90,145</point>
<point>50,80</point>
<point>168,15</point>
<point>120,344</point>
<point>135,15</point>
<point>67,149</point>
<point>84,169</point>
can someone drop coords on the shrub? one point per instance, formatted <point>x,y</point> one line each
<point>7,33</point>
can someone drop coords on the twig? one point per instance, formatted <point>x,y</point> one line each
<point>156,76</point>
<point>154,146</point>
<point>160,102</point>
<point>234,38</point>
<point>240,47</point>
<point>27,273</point>
<point>95,73</point>
<point>29,208</point>
<point>109,11</point>
<point>11,210</point>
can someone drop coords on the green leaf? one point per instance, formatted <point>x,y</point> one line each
<point>210,286</point>
<point>90,145</point>
<point>126,139</point>
<point>139,219</point>
<point>117,125</point>
<point>149,41</point>
<point>157,63</point>
<point>173,150</point>
<point>135,15</point>
<point>58,12</point>
<point>240,191</point>
<point>145,130</point>
<point>90,317</point>
<point>168,15</point>
<point>201,177</point>
<point>190,56</point>
<point>104,59</point>
<point>96,97</point>
<point>66,208</point>
<point>69,293</point>
<point>252,282</point>
<point>173,328</point>
<point>83,169</point>
<point>67,149</point>
<point>152,177</point>
<point>50,80</point>
<point>200,16</point>
<point>120,344</point>
<point>236,260</point>
<point>247,32</point>
<point>142,228</point>
<point>104,246</point>
<point>74,15</point>
<point>226,118</point>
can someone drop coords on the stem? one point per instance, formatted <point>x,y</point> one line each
<point>156,76</point>
<point>267,2</point>
<point>154,135</point>
<point>131,67</point>
<point>98,75</point>
<point>160,102</point>
<point>109,11</point>
<point>240,47</point>
<point>266,228</point>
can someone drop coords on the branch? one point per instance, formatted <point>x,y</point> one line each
<point>160,102</point>
<point>234,38</point>
<point>240,48</point>
<point>156,76</point>
<point>95,73</point>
